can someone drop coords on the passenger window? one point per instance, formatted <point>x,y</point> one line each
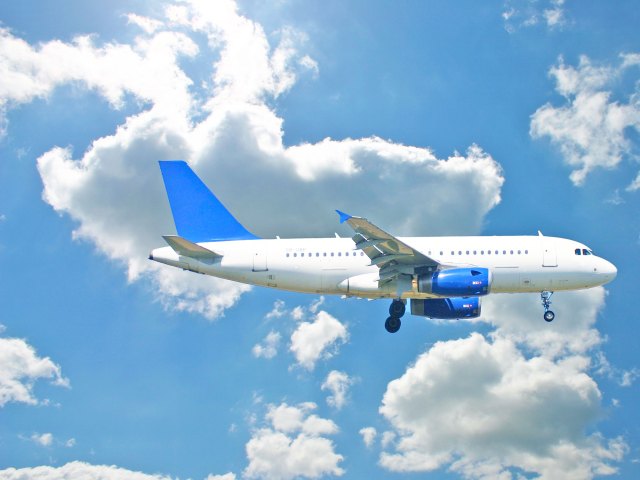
<point>339,254</point>
<point>324,254</point>
<point>467,252</point>
<point>295,254</point>
<point>488,252</point>
<point>332,254</point>
<point>459,253</point>
<point>287,255</point>
<point>519,252</point>
<point>452,252</point>
<point>475,252</point>
<point>504,252</point>
<point>526,252</point>
<point>511,252</point>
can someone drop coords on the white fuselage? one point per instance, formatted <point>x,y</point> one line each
<point>335,266</point>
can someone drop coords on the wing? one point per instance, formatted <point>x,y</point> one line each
<point>392,256</point>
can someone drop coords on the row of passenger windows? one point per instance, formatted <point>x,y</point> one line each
<point>453,253</point>
<point>488,252</point>
<point>325,254</point>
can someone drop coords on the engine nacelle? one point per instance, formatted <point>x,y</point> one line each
<point>446,308</point>
<point>456,282</point>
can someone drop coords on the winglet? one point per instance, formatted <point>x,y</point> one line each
<point>343,216</point>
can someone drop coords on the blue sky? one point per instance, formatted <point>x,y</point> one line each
<point>428,118</point>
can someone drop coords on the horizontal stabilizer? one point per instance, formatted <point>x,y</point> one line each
<point>184,247</point>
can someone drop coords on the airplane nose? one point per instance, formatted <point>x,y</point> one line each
<point>609,270</point>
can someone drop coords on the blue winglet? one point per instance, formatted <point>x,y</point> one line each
<point>343,216</point>
<point>199,216</point>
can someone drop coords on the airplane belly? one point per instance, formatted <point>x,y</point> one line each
<point>505,279</point>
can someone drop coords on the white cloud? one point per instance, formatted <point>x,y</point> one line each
<point>114,193</point>
<point>20,368</point>
<point>520,399</point>
<point>277,311</point>
<point>591,128</point>
<point>338,384</point>
<point>318,339</point>
<point>635,185</point>
<point>519,318</point>
<point>526,13</point>
<point>76,470</point>
<point>269,347</point>
<point>42,439</point>
<point>554,16</point>
<point>368,435</point>
<point>292,445</point>
<point>149,25</point>
<point>226,476</point>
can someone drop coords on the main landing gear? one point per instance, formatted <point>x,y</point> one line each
<point>396,310</point>
<point>546,302</point>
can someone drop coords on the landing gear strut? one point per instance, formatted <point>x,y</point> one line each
<point>546,302</point>
<point>396,310</point>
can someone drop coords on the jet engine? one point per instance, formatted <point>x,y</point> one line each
<point>446,308</point>
<point>456,282</point>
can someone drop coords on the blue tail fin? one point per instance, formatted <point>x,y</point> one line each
<point>198,214</point>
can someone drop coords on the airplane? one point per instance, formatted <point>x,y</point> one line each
<point>442,277</point>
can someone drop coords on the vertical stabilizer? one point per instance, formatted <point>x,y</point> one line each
<point>198,214</point>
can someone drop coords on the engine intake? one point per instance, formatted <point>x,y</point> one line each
<point>446,308</point>
<point>456,282</point>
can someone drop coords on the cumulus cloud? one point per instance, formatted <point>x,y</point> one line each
<point>337,383</point>
<point>368,435</point>
<point>318,339</point>
<point>478,402</point>
<point>269,346</point>
<point>293,444</point>
<point>20,368</point>
<point>225,127</point>
<point>519,398</point>
<point>75,470</point>
<point>591,128</point>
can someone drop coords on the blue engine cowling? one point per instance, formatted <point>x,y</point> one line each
<point>446,308</point>
<point>456,282</point>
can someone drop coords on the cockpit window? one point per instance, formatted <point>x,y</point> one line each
<point>578,252</point>
<point>586,252</point>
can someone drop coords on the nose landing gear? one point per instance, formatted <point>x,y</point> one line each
<point>396,310</point>
<point>546,303</point>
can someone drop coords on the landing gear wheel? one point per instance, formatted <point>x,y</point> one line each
<point>392,324</point>
<point>545,296</point>
<point>397,308</point>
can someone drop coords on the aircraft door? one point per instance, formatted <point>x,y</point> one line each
<point>260,261</point>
